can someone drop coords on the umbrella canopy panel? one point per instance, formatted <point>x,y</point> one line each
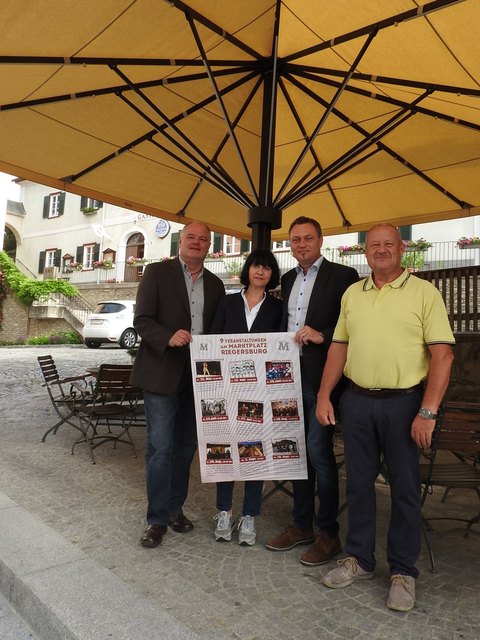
<point>248,113</point>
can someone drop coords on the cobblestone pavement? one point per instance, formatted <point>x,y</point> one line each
<point>219,590</point>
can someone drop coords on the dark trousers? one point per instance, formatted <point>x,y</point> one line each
<point>372,428</point>
<point>322,473</point>
<point>252,497</point>
<point>170,447</point>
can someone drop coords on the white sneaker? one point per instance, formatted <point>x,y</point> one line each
<point>246,530</point>
<point>225,526</point>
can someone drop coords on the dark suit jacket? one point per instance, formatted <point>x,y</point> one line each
<point>230,316</point>
<point>161,309</point>
<point>322,313</point>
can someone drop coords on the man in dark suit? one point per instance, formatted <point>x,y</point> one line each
<point>311,294</point>
<point>176,298</point>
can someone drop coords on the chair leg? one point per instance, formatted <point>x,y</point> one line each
<point>433,566</point>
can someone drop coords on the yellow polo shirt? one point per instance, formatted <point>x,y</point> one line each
<point>388,331</point>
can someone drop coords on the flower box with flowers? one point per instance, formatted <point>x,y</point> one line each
<point>351,250</point>
<point>103,264</point>
<point>215,255</point>
<point>416,245</point>
<point>135,262</point>
<point>468,243</point>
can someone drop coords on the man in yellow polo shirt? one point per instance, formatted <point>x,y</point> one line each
<point>394,343</point>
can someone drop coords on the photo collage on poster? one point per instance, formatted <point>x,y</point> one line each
<point>249,410</point>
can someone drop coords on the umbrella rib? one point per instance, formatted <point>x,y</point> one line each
<point>94,93</point>
<point>222,174</point>
<point>215,28</point>
<point>326,113</point>
<point>222,106</point>
<point>381,147</point>
<point>205,175</point>
<point>225,140</point>
<point>148,135</point>
<point>393,101</point>
<point>316,159</point>
<point>213,171</point>
<point>384,129</point>
<point>392,21</point>
<point>124,62</point>
<point>414,84</point>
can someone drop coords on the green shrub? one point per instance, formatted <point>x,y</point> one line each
<point>37,340</point>
<point>28,290</point>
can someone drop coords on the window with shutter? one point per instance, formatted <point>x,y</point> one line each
<point>41,262</point>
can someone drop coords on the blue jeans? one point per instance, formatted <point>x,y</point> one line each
<point>322,473</point>
<point>252,497</point>
<point>170,447</point>
<point>372,428</point>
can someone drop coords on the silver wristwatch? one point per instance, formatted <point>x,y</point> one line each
<point>426,414</point>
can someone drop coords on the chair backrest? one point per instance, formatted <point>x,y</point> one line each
<point>114,380</point>
<point>458,428</point>
<point>49,370</point>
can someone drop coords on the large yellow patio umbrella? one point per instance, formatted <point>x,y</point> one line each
<point>248,114</point>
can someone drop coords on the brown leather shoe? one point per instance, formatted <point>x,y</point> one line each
<point>289,538</point>
<point>180,523</point>
<point>153,534</point>
<point>322,550</point>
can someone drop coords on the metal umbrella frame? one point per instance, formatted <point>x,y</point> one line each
<point>245,115</point>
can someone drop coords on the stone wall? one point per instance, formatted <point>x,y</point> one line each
<point>95,293</point>
<point>15,319</point>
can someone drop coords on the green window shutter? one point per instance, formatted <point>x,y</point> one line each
<point>244,246</point>
<point>57,260</point>
<point>98,204</point>
<point>83,202</point>
<point>46,207</point>
<point>362,237</point>
<point>96,252</point>
<point>174,243</point>
<point>217,242</point>
<point>61,203</point>
<point>406,232</point>
<point>79,254</point>
<point>41,261</point>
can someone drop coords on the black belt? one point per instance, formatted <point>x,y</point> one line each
<point>385,393</point>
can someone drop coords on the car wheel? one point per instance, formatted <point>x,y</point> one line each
<point>92,344</point>
<point>128,339</point>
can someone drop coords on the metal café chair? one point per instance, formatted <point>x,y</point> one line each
<point>457,437</point>
<point>62,393</point>
<point>107,414</point>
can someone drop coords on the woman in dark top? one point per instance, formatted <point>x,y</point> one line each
<point>251,310</point>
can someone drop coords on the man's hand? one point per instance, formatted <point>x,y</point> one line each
<point>180,338</point>
<point>324,412</point>
<point>422,431</point>
<point>306,334</point>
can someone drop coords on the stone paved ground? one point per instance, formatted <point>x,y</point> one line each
<point>220,591</point>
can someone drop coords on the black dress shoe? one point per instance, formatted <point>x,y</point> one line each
<point>180,523</point>
<point>153,534</point>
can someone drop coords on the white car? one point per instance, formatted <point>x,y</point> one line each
<point>111,321</point>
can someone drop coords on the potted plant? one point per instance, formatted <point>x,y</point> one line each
<point>416,245</point>
<point>348,250</point>
<point>233,268</point>
<point>88,211</point>
<point>132,261</point>
<point>103,264</point>
<point>468,243</point>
